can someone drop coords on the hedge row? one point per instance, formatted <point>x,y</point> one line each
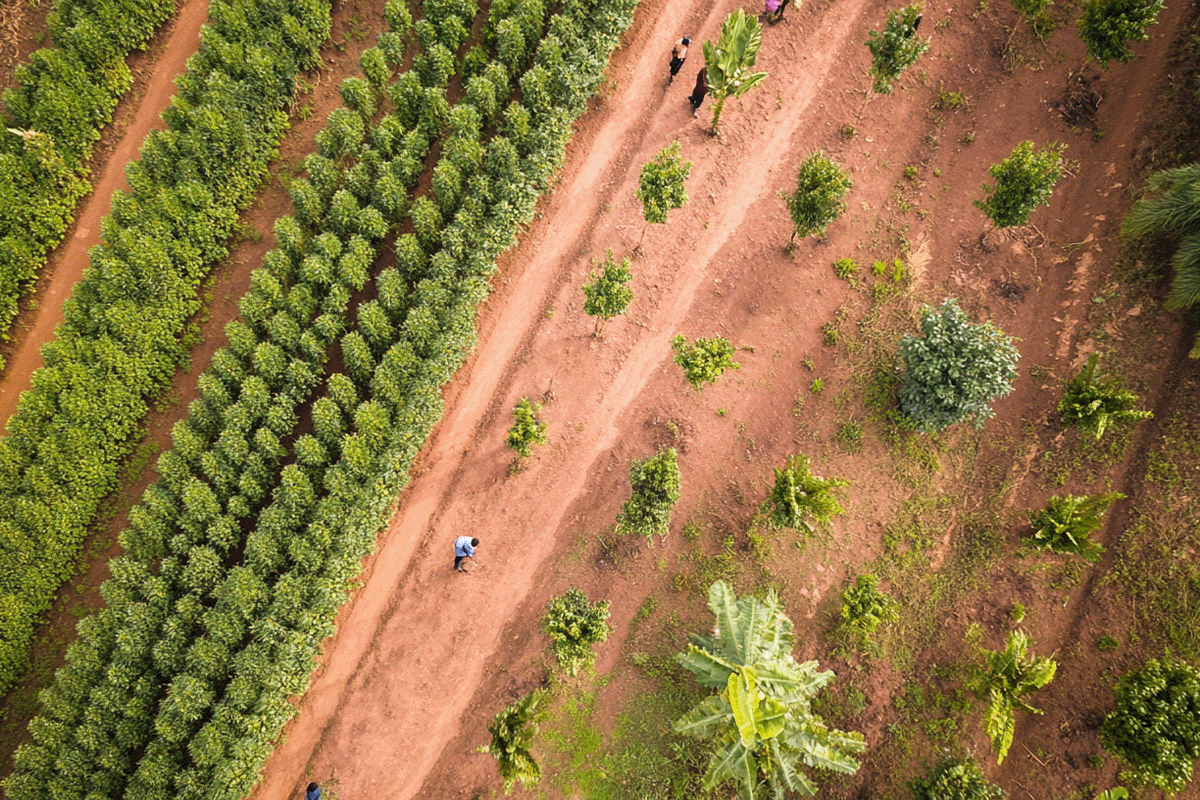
<point>125,322</point>
<point>66,95</point>
<point>230,632</point>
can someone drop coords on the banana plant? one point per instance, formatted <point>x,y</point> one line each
<point>1006,677</point>
<point>728,63</point>
<point>761,722</point>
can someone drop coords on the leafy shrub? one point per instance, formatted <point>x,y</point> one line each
<point>1155,727</point>
<point>1035,14</point>
<point>661,184</point>
<point>1106,25</point>
<point>798,495</point>
<point>849,436</point>
<point>821,186</point>
<point>655,482</point>
<point>1006,677</point>
<point>704,360</point>
<point>959,779</point>
<point>513,731</point>
<point>526,430</point>
<point>573,626</point>
<point>605,293</point>
<point>864,607</point>
<point>1024,181</point>
<point>954,370</point>
<point>897,48</point>
<point>1090,402</point>
<point>845,268</point>
<point>1064,524</point>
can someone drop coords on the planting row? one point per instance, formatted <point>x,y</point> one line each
<point>124,325</point>
<point>66,96</point>
<point>189,668</point>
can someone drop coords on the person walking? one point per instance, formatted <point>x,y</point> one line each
<point>678,56</point>
<point>697,96</point>
<point>313,792</point>
<point>775,10</point>
<point>464,547</point>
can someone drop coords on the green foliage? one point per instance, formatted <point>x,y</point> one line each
<point>955,369</point>
<point>1175,213</point>
<point>1155,726</point>
<point>1006,677</point>
<point>1064,524</point>
<point>237,565</point>
<point>959,779</point>
<point>1091,402</point>
<point>821,186</point>
<point>1024,181</point>
<point>574,626</point>
<point>661,185</point>
<point>760,724</point>
<point>728,63</point>
<point>526,430</point>
<point>1106,26</point>
<point>605,293</point>
<point>704,360</point>
<point>864,607</point>
<point>513,731</point>
<point>798,496</point>
<point>1036,15</point>
<point>655,482</point>
<point>895,49</point>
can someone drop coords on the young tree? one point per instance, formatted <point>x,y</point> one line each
<point>728,64</point>
<point>1106,26</point>
<point>1064,524</point>
<point>1175,213</point>
<point>704,360</point>
<point>1035,14</point>
<point>1156,724</point>
<point>574,625</point>
<point>956,780</point>
<point>954,370</point>
<point>1006,677</point>
<point>1091,402</point>
<point>526,430</point>
<point>1023,181</point>
<point>798,495</point>
<point>605,293</point>
<point>660,187</point>
<point>655,483</point>
<point>513,730</point>
<point>760,723</point>
<point>820,186</point>
<point>895,49</point>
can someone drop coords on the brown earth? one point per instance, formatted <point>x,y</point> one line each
<point>423,657</point>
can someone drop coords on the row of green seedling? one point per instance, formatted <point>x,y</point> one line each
<point>258,624</point>
<point>125,323</point>
<point>65,98</point>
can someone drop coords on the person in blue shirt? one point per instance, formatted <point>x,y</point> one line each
<point>464,547</point>
<point>313,792</point>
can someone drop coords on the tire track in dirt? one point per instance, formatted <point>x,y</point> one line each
<point>380,728</point>
<point>66,264</point>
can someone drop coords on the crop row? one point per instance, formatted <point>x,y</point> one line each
<point>124,325</point>
<point>66,95</point>
<point>204,637</point>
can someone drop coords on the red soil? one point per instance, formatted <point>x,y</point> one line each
<point>423,657</point>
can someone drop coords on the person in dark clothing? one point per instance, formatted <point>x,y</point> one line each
<point>697,96</point>
<point>313,792</point>
<point>678,56</point>
<point>916,24</point>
